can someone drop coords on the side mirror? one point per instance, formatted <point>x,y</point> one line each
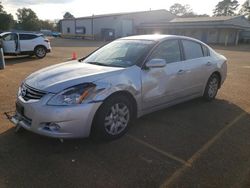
<point>156,63</point>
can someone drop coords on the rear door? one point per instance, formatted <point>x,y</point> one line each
<point>10,43</point>
<point>27,42</point>
<point>195,65</point>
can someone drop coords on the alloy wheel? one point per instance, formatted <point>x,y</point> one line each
<point>117,119</point>
<point>213,87</point>
<point>40,52</point>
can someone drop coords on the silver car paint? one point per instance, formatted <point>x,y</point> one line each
<point>75,121</point>
<point>152,89</point>
<point>51,79</point>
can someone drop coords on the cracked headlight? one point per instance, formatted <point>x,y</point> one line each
<point>73,95</point>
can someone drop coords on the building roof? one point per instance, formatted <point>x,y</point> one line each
<point>234,22</point>
<point>203,19</point>
<point>119,14</point>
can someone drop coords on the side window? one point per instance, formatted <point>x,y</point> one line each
<point>21,37</point>
<point>192,49</point>
<point>26,36</point>
<point>206,51</point>
<point>9,37</point>
<point>168,50</point>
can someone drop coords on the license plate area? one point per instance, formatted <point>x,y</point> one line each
<point>19,109</point>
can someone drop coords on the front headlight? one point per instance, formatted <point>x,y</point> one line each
<point>73,95</point>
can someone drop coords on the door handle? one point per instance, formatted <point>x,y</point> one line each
<point>208,63</point>
<point>181,71</point>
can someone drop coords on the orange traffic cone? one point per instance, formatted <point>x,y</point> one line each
<point>74,56</point>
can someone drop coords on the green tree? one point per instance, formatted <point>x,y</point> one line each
<point>68,15</point>
<point>245,9</point>
<point>46,24</point>
<point>6,20</point>
<point>226,8</point>
<point>27,19</point>
<point>181,10</point>
<point>1,7</point>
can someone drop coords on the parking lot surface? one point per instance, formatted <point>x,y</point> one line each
<point>194,144</point>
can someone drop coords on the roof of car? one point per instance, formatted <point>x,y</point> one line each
<point>156,37</point>
<point>38,34</point>
<point>4,33</point>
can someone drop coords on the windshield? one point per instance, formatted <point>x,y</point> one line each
<point>120,53</point>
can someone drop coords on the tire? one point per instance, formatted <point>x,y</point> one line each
<point>212,87</point>
<point>40,52</point>
<point>113,118</point>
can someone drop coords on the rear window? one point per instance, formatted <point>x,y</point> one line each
<point>27,36</point>
<point>206,51</point>
<point>192,49</point>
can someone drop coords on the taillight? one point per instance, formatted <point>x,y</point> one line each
<point>46,40</point>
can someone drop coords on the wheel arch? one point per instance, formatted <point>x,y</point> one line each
<point>115,94</point>
<point>129,96</point>
<point>218,74</point>
<point>40,45</point>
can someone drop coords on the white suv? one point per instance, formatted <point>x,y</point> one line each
<point>25,44</point>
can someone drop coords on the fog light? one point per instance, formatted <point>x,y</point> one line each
<point>52,126</point>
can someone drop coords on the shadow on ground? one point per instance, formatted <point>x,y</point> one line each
<point>29,160</point>
<point>19,59</point>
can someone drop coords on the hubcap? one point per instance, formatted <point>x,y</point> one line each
<point>40,52</point>
<point>213,87</point>
<point>117,119</point>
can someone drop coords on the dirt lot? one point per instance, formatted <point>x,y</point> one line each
<point>195,144</point>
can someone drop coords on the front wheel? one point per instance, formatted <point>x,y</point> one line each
<point>40,52</point>
<point>113,118</point>
<point>212,87</point>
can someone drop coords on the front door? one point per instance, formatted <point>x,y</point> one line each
<point>164,84</point>
<point>10,43</point>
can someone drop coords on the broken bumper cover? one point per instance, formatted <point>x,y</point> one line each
<point>55,121</point>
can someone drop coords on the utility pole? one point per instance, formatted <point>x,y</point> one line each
<point>2,62</point>
<point>92,26</point>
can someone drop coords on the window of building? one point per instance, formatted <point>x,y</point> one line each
<point>80,30</point>
<point>168,50</point>
<point>68,29</point>
<point>192,49</point>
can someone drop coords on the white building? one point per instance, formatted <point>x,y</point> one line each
<point>110,26</point>
<point>213,30</point>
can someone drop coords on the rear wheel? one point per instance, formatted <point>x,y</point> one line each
<point>113,118</point>
<point>212,87</point>
<point>40,52</point>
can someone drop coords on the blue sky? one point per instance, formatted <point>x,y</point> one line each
<point>54,9</point>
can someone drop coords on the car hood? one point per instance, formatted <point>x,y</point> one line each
<point>61,76</point>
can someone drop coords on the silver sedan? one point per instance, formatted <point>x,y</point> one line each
<point>102,93</point>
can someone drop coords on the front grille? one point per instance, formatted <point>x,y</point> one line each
<point>29,93</point>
